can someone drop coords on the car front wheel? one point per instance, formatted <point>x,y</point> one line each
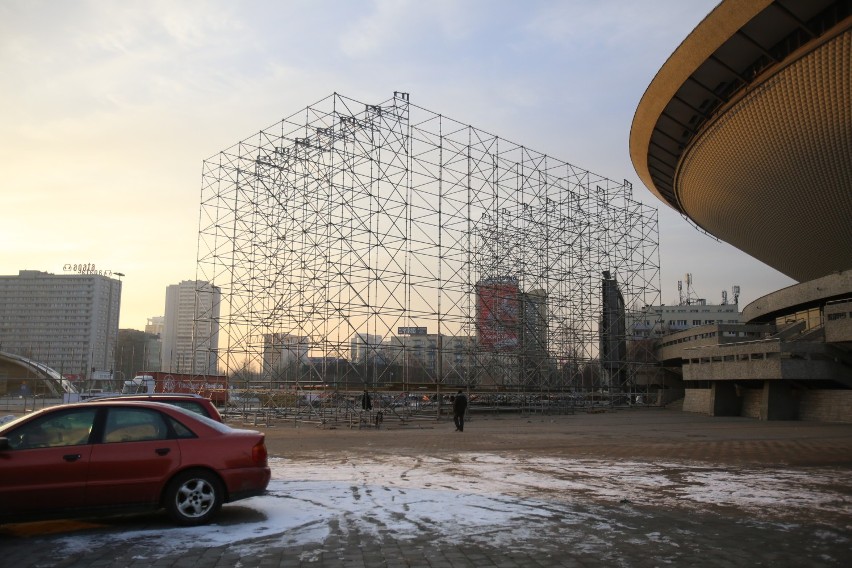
<point>193,497</point>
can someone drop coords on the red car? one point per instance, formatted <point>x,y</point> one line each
<point>194,402</point>
<point>114,456</point>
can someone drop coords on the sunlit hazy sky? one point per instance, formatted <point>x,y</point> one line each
<point>108,109</point>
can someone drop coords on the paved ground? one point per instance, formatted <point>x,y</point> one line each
<point>639,433</point>
<point>605,489</point>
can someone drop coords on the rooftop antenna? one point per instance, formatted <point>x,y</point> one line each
<point>736,290</point>
<point>724,297</point>
<point>688,278</point>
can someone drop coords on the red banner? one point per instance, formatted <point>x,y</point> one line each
<point>498,315</point>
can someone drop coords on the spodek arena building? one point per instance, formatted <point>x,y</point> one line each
<point>747,131</point>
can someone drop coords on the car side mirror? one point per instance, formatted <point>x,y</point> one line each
<point>4,444</point>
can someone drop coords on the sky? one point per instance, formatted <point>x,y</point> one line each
<point>108,110</point>
<point>594,509</point>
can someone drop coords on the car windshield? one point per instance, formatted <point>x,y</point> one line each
<point>7,426</point>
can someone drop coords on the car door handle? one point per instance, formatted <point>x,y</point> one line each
<point>71,457</point>
<point>162,451</point>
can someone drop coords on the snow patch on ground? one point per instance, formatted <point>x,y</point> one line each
<point>487,499</point>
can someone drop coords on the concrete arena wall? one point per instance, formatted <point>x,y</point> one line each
<point>751,400</point>
<point>826,406</point>
<point>697,400</point>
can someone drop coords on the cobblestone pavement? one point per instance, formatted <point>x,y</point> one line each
<point>361,499</point>
<point>558,536</point>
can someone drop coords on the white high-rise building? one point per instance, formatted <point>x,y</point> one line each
<point>364,346</point>
<point>283,353</point>
<point>67,321</point>
<point>190,334</point>
<point>654,322</point>
<point>155,325</point>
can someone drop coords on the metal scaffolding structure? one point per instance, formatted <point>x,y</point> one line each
<point>390,248</point>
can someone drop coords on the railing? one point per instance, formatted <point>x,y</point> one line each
<point>19,404</point>
<point>389,408</point>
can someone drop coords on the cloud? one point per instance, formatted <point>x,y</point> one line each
<point>391,25</point>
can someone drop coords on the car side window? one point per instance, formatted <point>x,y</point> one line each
<point>134,425</point>
<point>69,428</point>
<point>180,430</point>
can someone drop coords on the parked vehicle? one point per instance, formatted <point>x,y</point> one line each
<point>100,457</point>
<point>214,387</point>
<point>193,402</point>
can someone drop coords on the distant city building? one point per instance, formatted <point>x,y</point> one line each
<point>190,333</point>
<point>431,357</point>
<point>656,321</point>
<point>154,343</point>
<point>534,334</point>
<point>283,353</point>
<point>613,333</point>
<point>153,354</point>
<point>413,351</point>
<point>136,351</point>
<point>155,325</point>
<point>511,333</point>
<point>459,358</point>
<point>364,347</point>
<point>66,321</point>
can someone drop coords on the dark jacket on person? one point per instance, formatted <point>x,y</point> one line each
<point>459,404</point>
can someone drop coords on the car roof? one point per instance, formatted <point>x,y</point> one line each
<point>148,396</point>
<point>115,402</point>
<point>197,419</point>
<point>89,404</point>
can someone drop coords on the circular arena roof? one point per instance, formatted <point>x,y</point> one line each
<point>747,130</point>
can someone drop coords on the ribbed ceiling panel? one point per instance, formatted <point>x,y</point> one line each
<point>772,175</point>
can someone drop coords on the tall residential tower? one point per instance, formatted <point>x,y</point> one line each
<point>190,335</point>
<point>67,321</point>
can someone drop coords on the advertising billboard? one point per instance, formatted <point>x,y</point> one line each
<point>411,331</point>
<point>498,314</point>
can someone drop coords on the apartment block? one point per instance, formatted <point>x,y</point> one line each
<point>190,334</point>
<point>67,321</point>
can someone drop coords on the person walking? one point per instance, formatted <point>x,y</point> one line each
<point>459,408</point>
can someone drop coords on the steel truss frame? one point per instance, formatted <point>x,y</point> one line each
<point>348,219</point>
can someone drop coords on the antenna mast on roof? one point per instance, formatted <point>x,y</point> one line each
<point>689,297</point>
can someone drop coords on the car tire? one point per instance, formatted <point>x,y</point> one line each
<point>194,497</point>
